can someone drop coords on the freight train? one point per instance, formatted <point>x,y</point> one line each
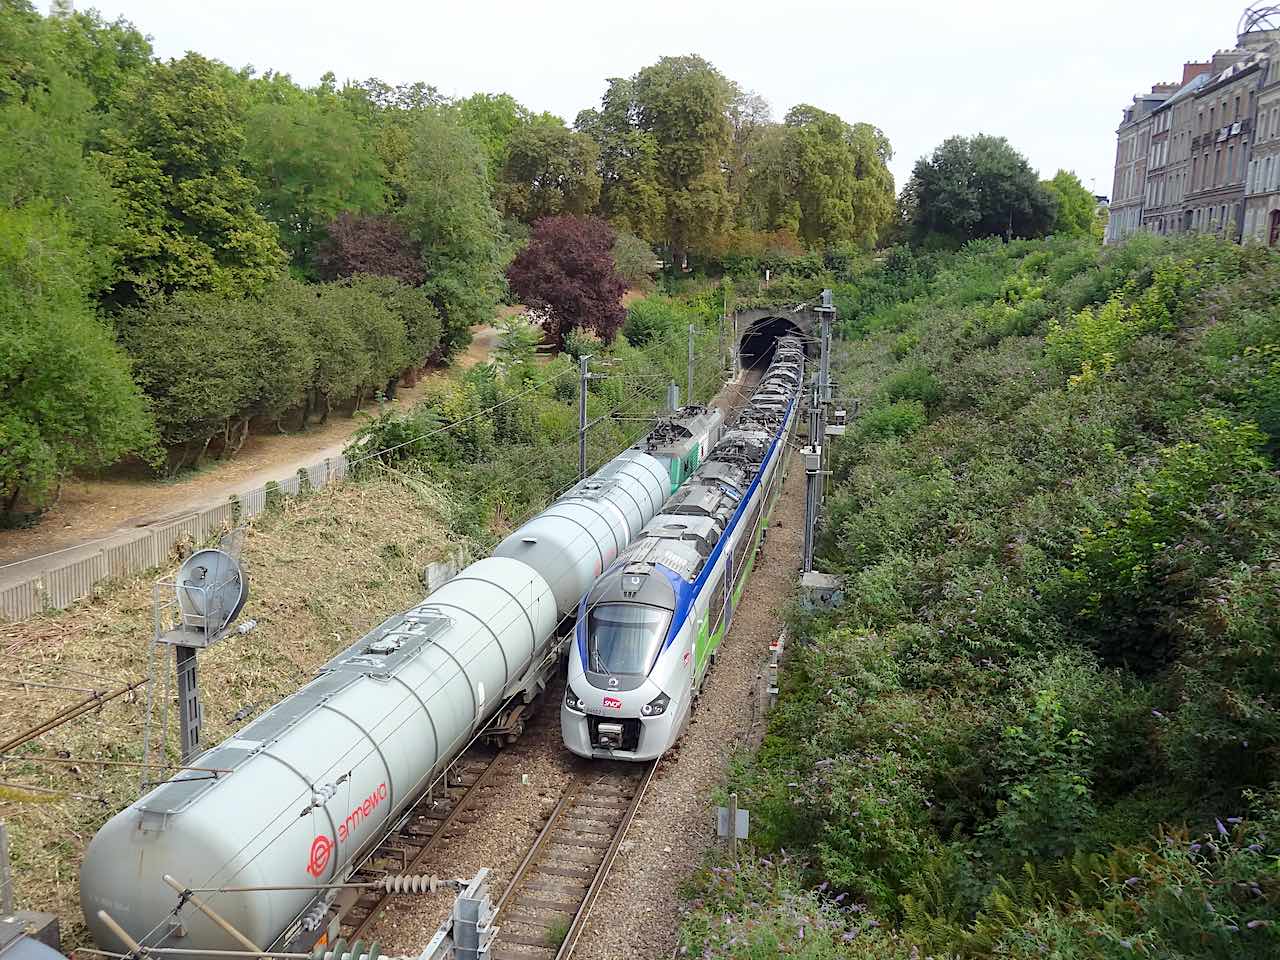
<point>312,786</point>
<point>648,630</point>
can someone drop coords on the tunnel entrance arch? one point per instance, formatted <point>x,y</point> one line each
<point>759,340</point>
<point>759,328</point>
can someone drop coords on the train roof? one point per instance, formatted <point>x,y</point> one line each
<point>683,535</point>
<point>673,434</point>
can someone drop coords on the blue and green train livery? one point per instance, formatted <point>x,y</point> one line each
<point>648,630</point>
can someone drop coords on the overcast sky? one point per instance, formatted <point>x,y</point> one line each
<point>1052,77</point>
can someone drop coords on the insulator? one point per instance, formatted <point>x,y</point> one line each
<point>412,883</point>
<point>314,917</point>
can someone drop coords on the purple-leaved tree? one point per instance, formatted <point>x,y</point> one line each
<point>567,271</point>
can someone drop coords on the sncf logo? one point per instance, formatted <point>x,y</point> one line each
<point>612,703</point>
<point>322,846</point>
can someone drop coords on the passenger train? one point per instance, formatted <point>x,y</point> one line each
<point>308,790</point>
<point>648,630</point>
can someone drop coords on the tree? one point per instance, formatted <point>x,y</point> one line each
<point>414,311</point>
<point>448,212</point>
<point>493,119</point>
<point>105,56</point>
<point>567,271</point>
<point>549,170</point>
<point>633,259</point>
<point>194,356</point>
<point>683,102</point>
<point>191,218</point>
<point>630,197</point>
<point>66,396</point>
<point>311,161</point>
<point>976,187</point>
<point>46,116</point>
<point>838,176</point>
<point>1077,208</point>
<point>374,245</point>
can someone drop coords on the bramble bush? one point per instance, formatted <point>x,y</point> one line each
<point>1050,689</point>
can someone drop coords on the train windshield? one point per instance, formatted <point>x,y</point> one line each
<point>624,638</point>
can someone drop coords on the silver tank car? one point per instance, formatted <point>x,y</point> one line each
<point>650,627</point>
<point>317,780</point>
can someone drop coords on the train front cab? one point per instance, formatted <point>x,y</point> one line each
<point>628,690</point>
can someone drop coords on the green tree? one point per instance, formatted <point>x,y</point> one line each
<point>683,102</point>
<point>634,259</point>
<point>414,311</point>
<point>47,116</point>
<point>311,160</point>
<point>342,360</point>
<point>974,187</point>
<point>66,397</point>
<point>1077,208</point>
<point>838,177</point>
<point>549,170</point>
<point>193,355</point>
<point>105,56</point>
<point>191,218</point>
<point>630,196</point>
<point>493,119</point>
<point>449,213</point>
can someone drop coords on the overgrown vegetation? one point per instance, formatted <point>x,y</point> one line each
<point>1045,719</point>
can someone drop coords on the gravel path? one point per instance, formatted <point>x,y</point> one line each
<point>637,912</point>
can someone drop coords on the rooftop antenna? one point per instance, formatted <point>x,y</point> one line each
<point>192,611</point>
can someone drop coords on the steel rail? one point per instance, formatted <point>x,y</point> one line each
<point>579,786</point>
<point>429,844</point>
<point>584,912</point>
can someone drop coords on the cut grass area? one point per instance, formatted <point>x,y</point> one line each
<point>323,569</point>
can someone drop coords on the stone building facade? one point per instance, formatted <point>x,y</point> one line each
<point>1203,155</point>
<point>1262,182</point>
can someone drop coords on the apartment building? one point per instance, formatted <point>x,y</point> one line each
<point>1190,157</point>
<point>1262,182</point>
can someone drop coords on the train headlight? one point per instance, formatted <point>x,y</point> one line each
<point>574,702</point>
<point>658,705</point>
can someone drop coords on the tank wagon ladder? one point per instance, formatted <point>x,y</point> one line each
<point>546,906</point>
<point>414,838</point>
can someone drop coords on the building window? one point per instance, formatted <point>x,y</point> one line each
<point>1231,163</point>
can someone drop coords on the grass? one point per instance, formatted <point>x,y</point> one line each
<point>323,569</point>
<point>556,933</point>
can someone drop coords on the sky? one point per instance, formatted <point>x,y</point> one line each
<point>1051,77</point>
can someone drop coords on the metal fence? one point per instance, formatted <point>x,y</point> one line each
<point>131,552</point>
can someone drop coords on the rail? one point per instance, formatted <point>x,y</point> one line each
<point>546,906</point>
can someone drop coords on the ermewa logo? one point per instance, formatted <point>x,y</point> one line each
<point>322,846</point>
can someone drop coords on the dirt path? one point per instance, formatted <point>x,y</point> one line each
<point>91,509</point>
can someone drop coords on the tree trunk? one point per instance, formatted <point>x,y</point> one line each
<point>12,503</point>
<point>324,417</point>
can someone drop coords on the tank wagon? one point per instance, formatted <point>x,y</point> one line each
<point>317,781</point>
<point>648,630</point>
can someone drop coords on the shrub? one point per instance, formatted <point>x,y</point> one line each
<point>914,383</point>
<point>898,419</point>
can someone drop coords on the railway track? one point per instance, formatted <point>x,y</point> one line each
<point>545,907</point>
<point>407,848</point>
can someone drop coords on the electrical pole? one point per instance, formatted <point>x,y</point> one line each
<point>583,376</point>
<point>688,392</point>
<point>814,453</point>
